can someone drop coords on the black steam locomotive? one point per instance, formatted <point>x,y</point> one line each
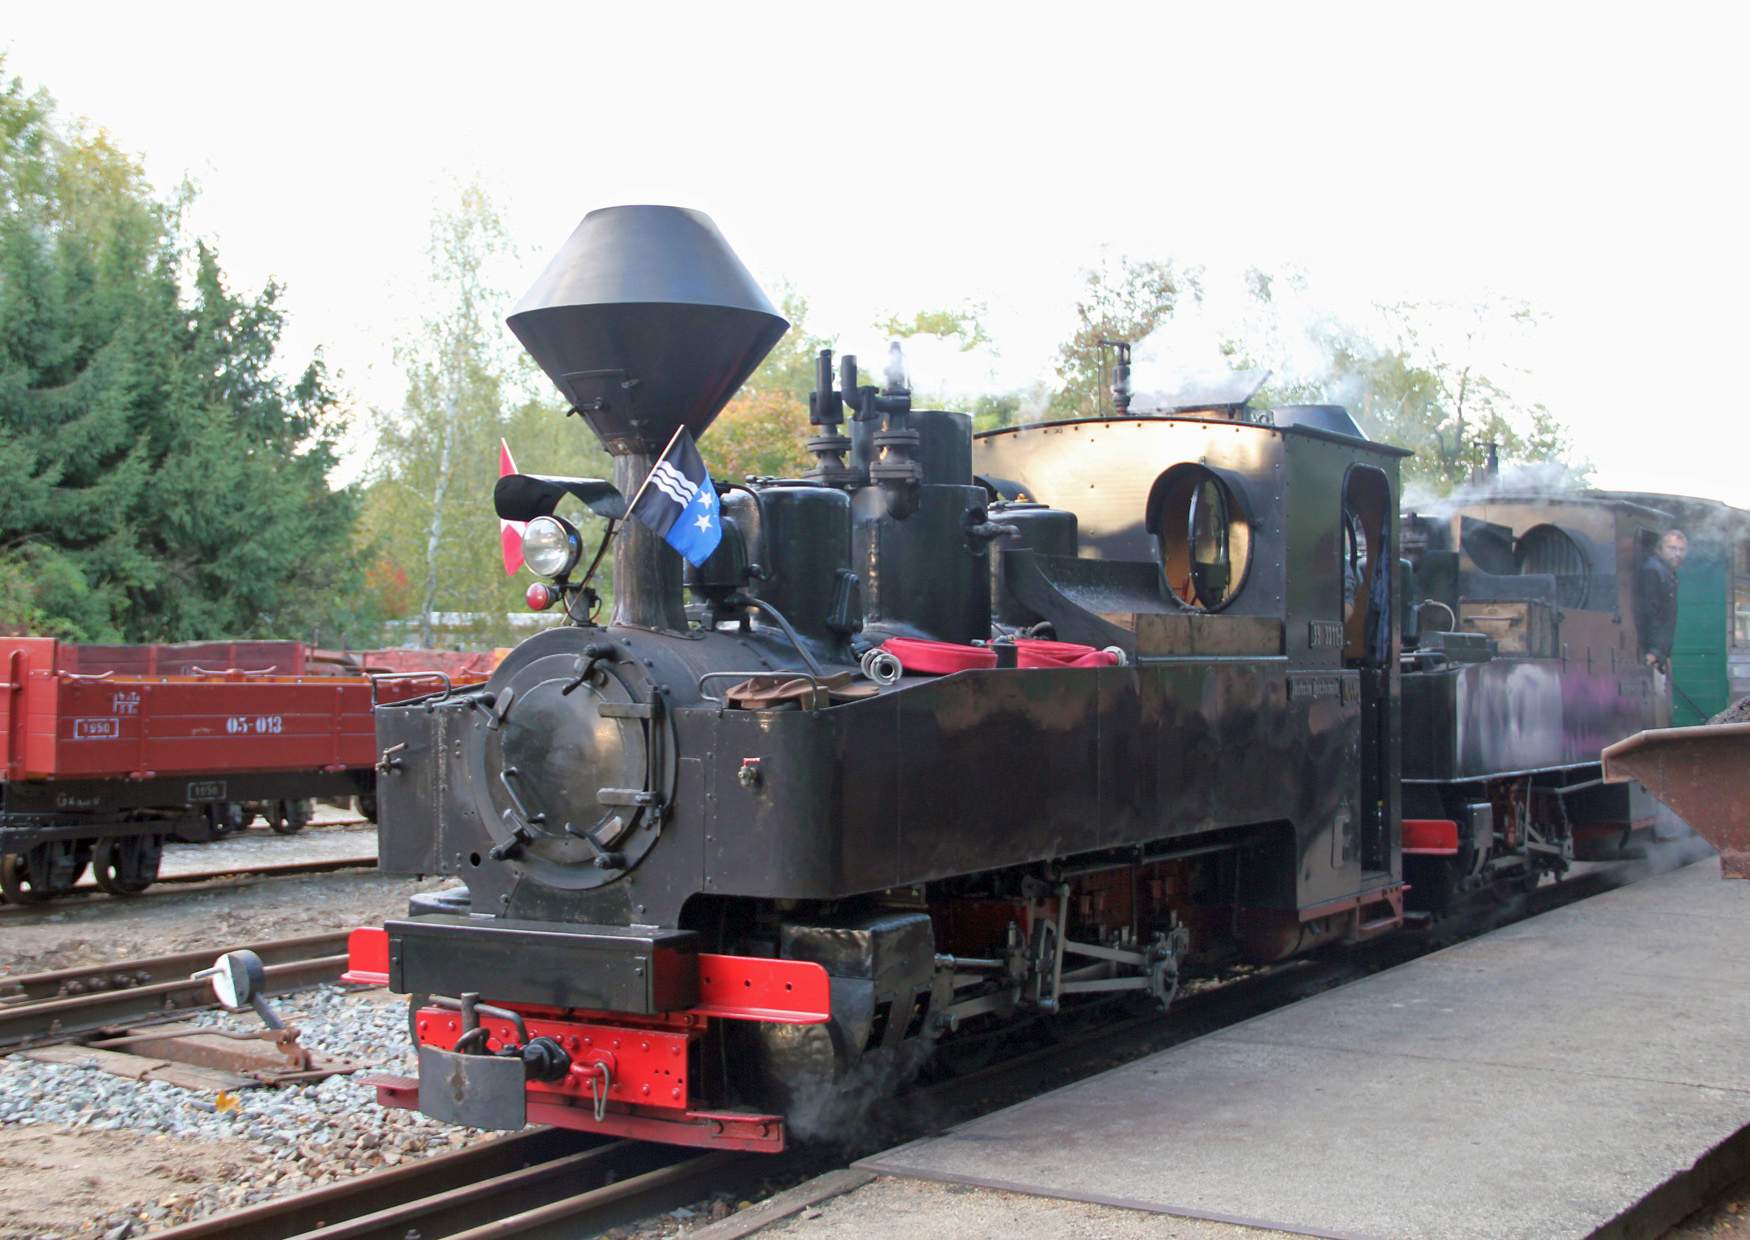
<point>953,731</point>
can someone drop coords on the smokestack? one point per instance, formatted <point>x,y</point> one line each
<point>646,321</point>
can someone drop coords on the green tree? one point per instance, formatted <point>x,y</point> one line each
<point>1126,303</point>
<point>429,514</point>
<point>159,478</point>
<point>965,326</point>
<point>763,429</point>
<point>1429,377</point>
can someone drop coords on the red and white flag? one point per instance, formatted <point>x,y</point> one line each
<point>510,533</point>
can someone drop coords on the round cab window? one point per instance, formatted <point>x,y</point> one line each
<point>1204,537</point>
<point>1551,549</point>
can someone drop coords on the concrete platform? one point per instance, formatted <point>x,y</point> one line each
<point>1565,1076</point>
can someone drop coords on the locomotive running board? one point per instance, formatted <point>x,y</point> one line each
<point>718,1130</point>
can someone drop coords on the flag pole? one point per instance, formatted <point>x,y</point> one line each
<point>647,477</point>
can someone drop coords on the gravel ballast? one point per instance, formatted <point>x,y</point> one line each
<point>86,1153</point>
<point>288,1139</point>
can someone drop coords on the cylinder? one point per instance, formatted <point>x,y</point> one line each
<point>922,576</point>
<point>1046,530</point>
<point>804,544</point>
<point>725,572</point>
<point>647,571</point>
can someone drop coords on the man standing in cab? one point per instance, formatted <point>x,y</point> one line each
<point>1656,600</point>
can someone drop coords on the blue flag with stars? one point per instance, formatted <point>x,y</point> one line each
<point>679,502</point>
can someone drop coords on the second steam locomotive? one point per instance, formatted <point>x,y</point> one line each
<point>956,730</point>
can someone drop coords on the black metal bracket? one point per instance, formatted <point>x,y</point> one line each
<point>605,859</point>
<point>584,665</point>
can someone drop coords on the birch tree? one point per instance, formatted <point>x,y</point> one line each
<point>429,513</point>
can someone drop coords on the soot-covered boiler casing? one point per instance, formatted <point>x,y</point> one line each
<point>597,778</point>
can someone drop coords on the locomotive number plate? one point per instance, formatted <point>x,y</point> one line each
<point>1302,686</point>
<point>206,790</point>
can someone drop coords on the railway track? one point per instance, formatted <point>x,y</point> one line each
<point>39,1008</point>
<point>539,1183</point>
<point>265,869</point>
<point>246,869</point>
<point>553,1183</point>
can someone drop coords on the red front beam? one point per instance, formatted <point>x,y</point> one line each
<point>787,992</point>
<point>647,1058</point>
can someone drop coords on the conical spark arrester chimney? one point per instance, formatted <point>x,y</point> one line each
<point>645,320</point>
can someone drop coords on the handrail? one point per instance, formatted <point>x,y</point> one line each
<point>375,677</point>
<point>723,704</point>
<point>15,672</point>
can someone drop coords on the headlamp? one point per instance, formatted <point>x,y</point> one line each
<point>551,546</point>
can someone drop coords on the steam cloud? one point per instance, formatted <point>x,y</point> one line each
<point>848,1108</point>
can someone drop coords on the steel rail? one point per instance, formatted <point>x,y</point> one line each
<point>317,1208</point>
<point>59,1019</point>
<point>266,869</point>
<point>540,1182</point>
<point>652,1192</point>
<point>131,974</point>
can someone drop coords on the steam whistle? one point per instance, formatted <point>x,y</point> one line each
<point>826,409</point>
<point>1121,389</point>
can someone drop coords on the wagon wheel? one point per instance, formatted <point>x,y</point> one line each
<point>15,880</point>
<point>289,817</point>
<point>43,872</point>
<point>367,806</point>
<point>127,865</point>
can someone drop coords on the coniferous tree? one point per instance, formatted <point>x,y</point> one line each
<point>160,479</point>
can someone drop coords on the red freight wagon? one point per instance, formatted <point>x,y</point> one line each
<point>105,751</point>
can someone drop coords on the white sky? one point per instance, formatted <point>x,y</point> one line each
<point>1589,159</point>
